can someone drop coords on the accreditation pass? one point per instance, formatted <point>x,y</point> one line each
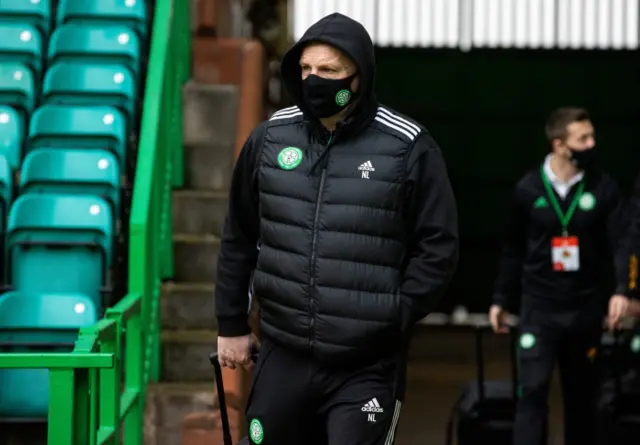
<point>565,253</point>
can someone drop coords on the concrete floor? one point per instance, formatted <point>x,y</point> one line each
<point>432,391</point>
<point>441,363</point>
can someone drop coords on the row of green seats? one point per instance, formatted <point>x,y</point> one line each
<point>69,84</point>
<point>39,13</point>
<point>90,43</point>
<point>68,150</point>
<point>60,171</point>
<point>65,127</point>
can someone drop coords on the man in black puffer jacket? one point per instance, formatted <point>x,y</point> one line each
<point>343,225</point>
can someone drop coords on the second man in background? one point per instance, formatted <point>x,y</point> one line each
<point>560,237</point>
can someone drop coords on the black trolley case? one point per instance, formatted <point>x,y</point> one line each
<point>485,409</point>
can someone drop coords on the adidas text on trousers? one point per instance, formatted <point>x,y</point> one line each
<point>297,400</point>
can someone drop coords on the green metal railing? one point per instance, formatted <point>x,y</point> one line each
<point>97,391</point>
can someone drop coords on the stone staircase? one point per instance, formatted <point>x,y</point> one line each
<point>187,303</point>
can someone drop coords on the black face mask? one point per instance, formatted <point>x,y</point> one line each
<point>327,97</point>
<point>584,159</point>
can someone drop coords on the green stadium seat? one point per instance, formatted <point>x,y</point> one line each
<point>132,13</point>
<point>95,44</point>
<point>82,172</point>
<point>62,126</point>
<point>90,84</point>
<point>37,323</point>
<point>59,244</point>
<point>17,87</point>
<point>21,43</point>
<point>11,135</point>
<point>33,12</point>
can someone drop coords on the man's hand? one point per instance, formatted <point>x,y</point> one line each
<point>618,308</point>
<point>235,351</point>
<point>498,319</point>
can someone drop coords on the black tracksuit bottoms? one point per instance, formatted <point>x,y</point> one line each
<point>297,400</point>
<point>547,339</point>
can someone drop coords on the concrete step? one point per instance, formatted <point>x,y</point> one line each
<point>209,165</point>
<point>185,355</point>
<point>188,306</point>
<point>210,113</point>
<point>199,211</point>
<point>195,257</point>
<point>167,405</point>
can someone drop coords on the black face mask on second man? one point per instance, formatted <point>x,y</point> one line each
<point>584,159</point>
<point>327,97</point>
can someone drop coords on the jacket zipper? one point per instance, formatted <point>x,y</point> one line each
<point>314,239</point>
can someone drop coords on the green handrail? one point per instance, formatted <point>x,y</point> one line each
<point>97,392</point>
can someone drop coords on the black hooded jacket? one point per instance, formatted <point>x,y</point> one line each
<point>356,243</point>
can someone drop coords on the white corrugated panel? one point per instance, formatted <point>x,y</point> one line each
<point>514,23</point>
<point>425,23</point>
<point>571,24</point>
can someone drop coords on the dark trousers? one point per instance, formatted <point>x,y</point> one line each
<point>295,400</point>
<point>544,342</point>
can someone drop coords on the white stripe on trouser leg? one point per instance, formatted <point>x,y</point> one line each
<point>391,434</point>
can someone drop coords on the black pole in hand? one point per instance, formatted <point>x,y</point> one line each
<point>224,418</point>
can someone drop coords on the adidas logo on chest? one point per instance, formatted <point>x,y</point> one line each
<point>365,168</point>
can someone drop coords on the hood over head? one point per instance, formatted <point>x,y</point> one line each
<point>350,37</point>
